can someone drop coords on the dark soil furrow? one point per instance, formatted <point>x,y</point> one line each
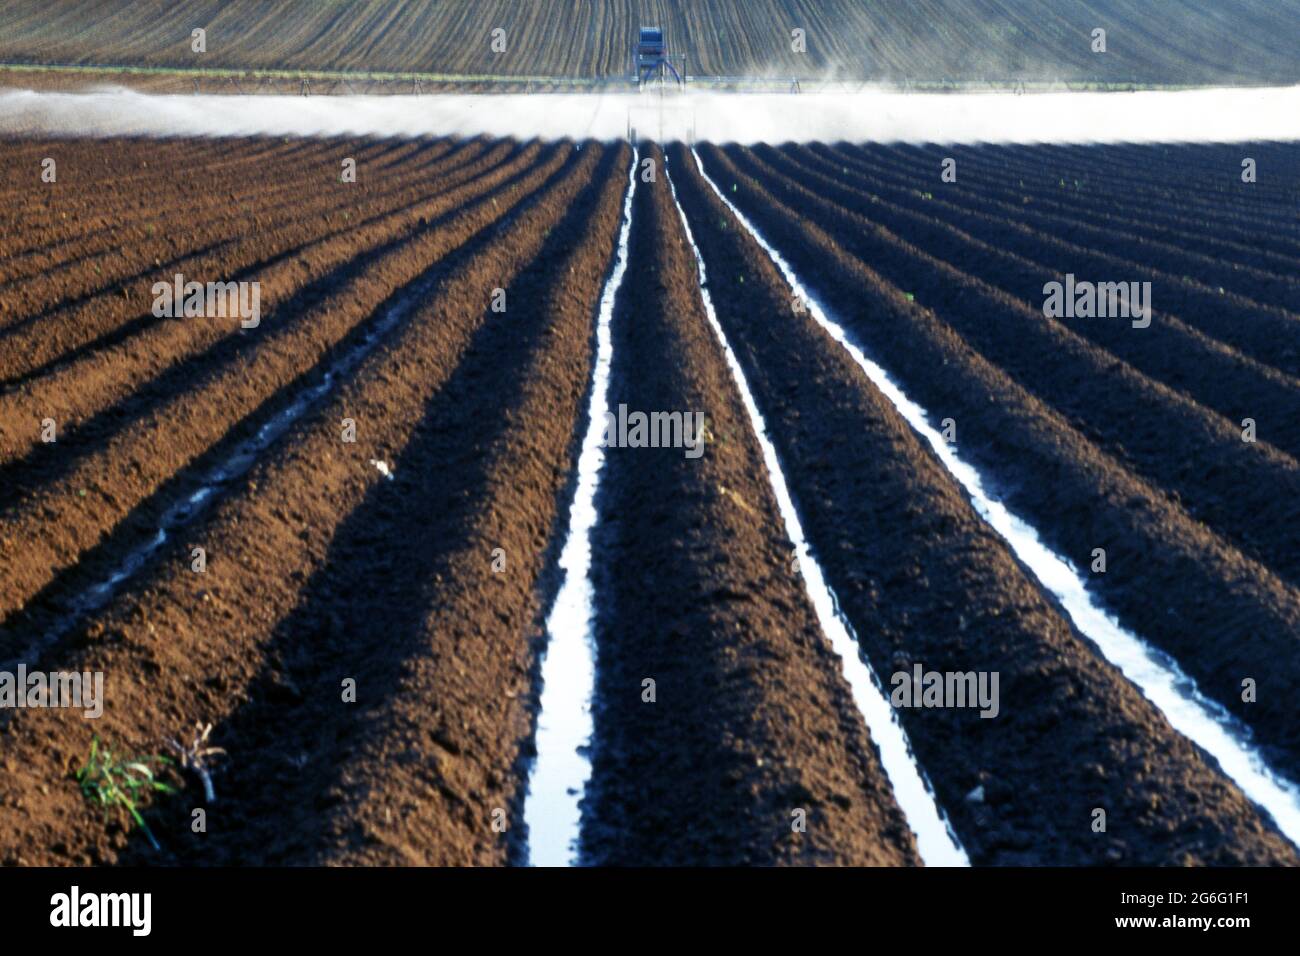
<point>271,191</point>
<point>291,267</point>
<point>1206,233</point>
<point>322,570</point>
<point>1267,333</point>
<point>751,720</point>
<point>98,223</point>
<point>925,581</point>
<point>1248,493</point>
<point>1174,352</point>
<point>1026,227</point>
<point>45,338</point>
<point>506,489</point>
<point>100,173</point>
<point>52,214</point>
<point>1225,618</point>
<point>125,480</point>
<point>272,194</point>
<point>1182,189</point>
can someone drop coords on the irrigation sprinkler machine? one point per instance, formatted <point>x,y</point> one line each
<point>652,63</point>
<point>654,68</point>
<point>657,69</point>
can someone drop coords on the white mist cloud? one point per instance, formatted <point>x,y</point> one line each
<point>1211,115</point>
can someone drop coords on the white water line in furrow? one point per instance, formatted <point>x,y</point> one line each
<point>1157,675</point>
<point>936,841</point>
<point>564,726</point>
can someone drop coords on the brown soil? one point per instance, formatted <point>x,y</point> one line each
<point>1168,578</point>
<point>54,326</point>
<point>751,719</point>
<point>1249,494</point>
<point>924,580</point>
<point>376,302</point>
<point>125,470</point>
<point>1002,251</point>
<point>321,570</point>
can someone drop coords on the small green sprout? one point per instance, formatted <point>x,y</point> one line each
<point>117,784</point>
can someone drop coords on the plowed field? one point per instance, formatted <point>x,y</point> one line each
<point>1191,42</point>
<point>378,476</point>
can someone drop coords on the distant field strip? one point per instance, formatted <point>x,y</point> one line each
<point>1195,41</point>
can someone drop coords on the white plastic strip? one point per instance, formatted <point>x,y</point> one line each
<point>935,840</point>
<point>559,775</point>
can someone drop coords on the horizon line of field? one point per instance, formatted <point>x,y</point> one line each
<point>1012,83</point>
